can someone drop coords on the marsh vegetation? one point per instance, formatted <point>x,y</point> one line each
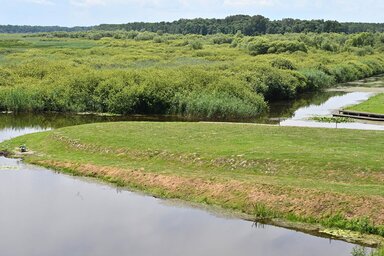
<point>214,76</point>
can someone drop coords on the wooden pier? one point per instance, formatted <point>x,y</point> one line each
<point>360,115</point>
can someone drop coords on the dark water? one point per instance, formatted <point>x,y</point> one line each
<point>45,213</point>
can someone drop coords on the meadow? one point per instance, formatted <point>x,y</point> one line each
<point>214,76</point>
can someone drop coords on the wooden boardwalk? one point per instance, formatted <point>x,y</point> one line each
<point>360,115</point>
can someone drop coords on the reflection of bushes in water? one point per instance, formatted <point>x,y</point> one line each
<point>48,120</point>
<point>288,108</point>
<point>363,251</point>
<point>57,120</point>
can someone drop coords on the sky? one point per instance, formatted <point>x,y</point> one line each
<point>94,12</point>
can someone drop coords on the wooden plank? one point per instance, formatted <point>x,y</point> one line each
<point>358,113</point>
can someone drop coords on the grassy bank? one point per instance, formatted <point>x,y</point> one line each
<point>214,76</point>
<point>372,105</point>
<point>331,177</point>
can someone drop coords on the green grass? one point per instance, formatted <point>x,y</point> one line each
<point>372,105</point>
<point>326,176</point>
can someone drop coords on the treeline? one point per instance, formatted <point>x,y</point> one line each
<point>14,29</point>
<point>247,25</point>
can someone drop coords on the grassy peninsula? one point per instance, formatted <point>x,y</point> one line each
<point>372,105</point>
<point>331,177</point>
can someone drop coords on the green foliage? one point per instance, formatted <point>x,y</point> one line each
<point>262,212</point>
<point>366,50</point>
<point>282,63</point>
<point>134,72</point>
<point>249,25</point>
<point>196,45</point>
<point>316,79</point>
<point>222,39</point>
<point>265,47</point>
<point>145,36</point>
<point>363,225</point>
<point>362,39</point>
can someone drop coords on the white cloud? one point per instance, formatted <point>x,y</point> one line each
<point>88,3</point>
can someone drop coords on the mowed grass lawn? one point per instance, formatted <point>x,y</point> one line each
<point>372,105</point>
<point>269,171</point>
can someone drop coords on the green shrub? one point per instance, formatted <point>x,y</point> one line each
<point>196,45</point>
<point>316,79</point>
<point>145,36</point>
<point>222,39</point>
<point>282,63</point>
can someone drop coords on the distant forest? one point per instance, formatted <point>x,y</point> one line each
<point>247,25</point>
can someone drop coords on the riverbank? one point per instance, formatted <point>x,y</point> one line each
<point>302,175</point>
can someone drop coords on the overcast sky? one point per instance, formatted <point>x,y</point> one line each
<point>93,12</point>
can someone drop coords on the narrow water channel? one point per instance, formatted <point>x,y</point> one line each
<point>46,213</point>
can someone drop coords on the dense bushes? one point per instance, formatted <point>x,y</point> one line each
<point>317,79</point>
<point>155,73</point>
<point>282,63</point>
<point>138,92</point>
<point>266,47</point>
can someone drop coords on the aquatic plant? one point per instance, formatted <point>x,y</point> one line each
<point>328,119</point>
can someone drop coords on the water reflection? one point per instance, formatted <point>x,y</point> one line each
<point>287,109</point>
<point>302,116</point>
<point>57,120</point>
<point>44,213</point>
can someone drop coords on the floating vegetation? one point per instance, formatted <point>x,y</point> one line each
<point>8,168</point>
<point>329,119</point>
